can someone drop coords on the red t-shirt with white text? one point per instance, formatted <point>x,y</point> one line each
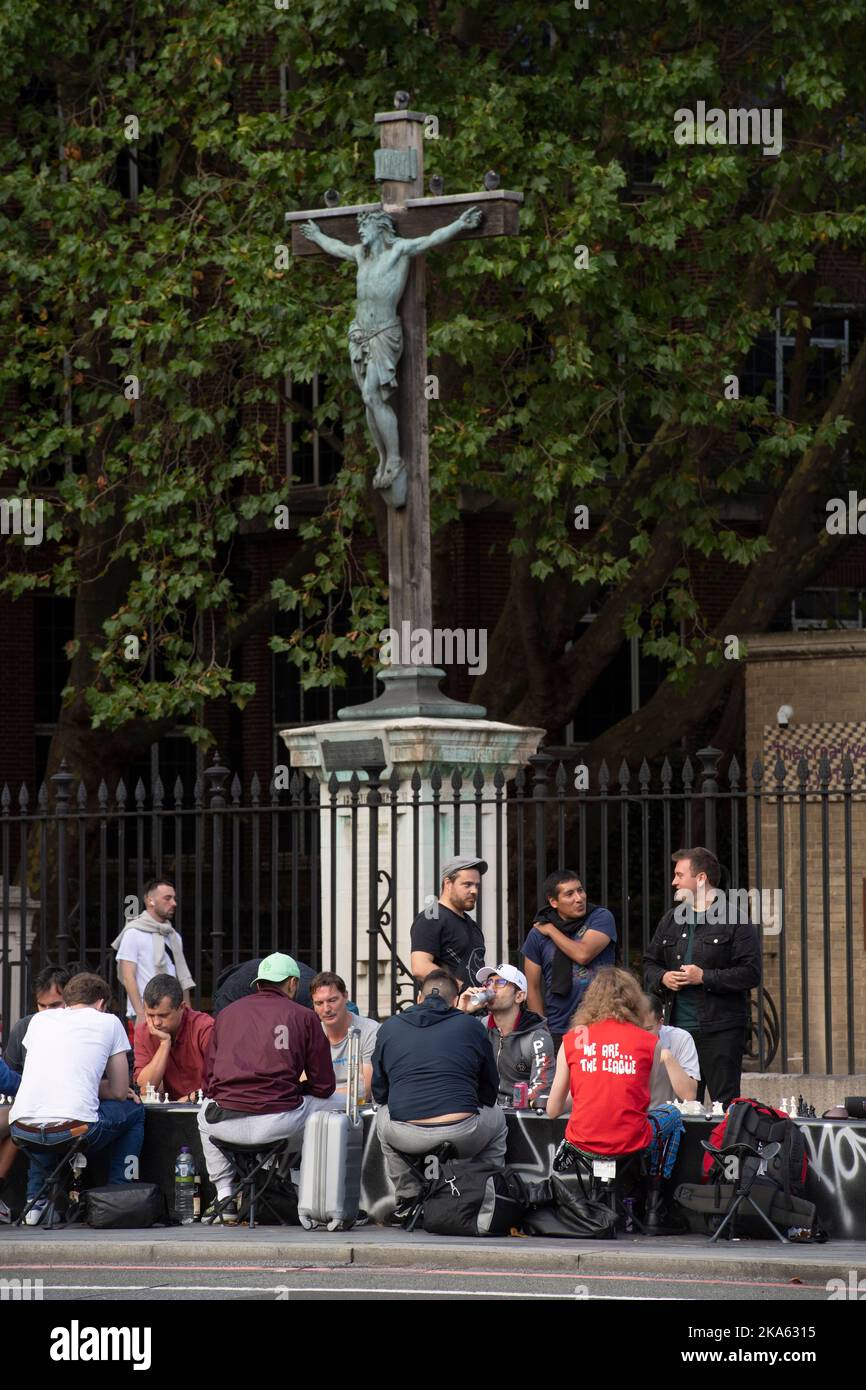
<point>610,1065</point>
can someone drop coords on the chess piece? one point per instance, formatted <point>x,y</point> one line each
<point>783,1106</point>
<point>200,1095</point>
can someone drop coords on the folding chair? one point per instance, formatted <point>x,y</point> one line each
<point>55,1184</point>
<point>258,1166</point>
<point>600,1176</point>
<point>750,1164</point>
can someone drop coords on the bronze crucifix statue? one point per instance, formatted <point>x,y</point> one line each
<point>388,354</point>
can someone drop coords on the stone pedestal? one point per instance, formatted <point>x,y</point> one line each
<point>419,827</point>
<point>10,966</point>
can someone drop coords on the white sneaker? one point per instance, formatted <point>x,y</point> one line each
<point>36,1213</point>
<point>5,1215</point>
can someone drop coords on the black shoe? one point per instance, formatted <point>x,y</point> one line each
<point>401,1213</point>
<point>362,1219</point>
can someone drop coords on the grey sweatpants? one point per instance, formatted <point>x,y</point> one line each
<point>482,1136</point>
<point>252,1129</point>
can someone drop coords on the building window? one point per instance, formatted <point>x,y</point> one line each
<point>311,461</point>
<point>822,609</point>
<point>836,333</point>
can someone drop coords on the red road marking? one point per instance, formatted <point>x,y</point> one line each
<point>404,1269</point>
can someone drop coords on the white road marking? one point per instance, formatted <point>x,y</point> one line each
<point>319,1288</point>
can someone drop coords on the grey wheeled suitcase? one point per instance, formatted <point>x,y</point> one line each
<point>329,1192</point>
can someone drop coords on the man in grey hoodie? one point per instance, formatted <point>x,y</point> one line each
<point>148,945</point>
<point>522,1046</point>
<point>434,1079</point>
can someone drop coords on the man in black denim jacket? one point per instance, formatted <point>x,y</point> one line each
<point>703,964</point>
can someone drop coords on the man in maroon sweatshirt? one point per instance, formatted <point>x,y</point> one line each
<point>260,1047</point>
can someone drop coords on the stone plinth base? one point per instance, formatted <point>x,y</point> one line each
<point>419,827</point>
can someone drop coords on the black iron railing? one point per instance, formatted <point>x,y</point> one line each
<point>248,869</point>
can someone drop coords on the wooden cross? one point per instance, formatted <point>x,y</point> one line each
<point>400,172</point>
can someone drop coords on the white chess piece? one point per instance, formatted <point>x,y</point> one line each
<point>200,1096</point>
<point>793,1109</point>
<point>783,1105</point>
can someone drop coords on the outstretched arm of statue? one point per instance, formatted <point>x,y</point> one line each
<point>341,249</point>
<point>466,222</point>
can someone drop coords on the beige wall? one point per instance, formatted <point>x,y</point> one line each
<point>823,676</point>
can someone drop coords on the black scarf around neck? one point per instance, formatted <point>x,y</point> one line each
<point>562,973</point>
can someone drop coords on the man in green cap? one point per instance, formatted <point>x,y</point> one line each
<point>261,1046</point>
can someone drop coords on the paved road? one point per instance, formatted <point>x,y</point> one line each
<point>173,1282</point>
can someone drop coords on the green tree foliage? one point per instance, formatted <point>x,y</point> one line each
<point>601,386</point>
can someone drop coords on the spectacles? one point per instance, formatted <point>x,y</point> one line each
<point>497,982</point>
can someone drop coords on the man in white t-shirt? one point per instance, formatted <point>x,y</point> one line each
<point>148,945</point>
<point>330,999</point>
<point>676,1077</point>
<point>76,1074</point>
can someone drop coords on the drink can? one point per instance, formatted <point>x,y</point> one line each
<point>521,1096</point>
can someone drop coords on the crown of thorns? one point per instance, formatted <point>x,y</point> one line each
<point>380,219</point>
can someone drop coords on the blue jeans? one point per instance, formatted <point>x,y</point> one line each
<point>120,1124</point>
<point>668,1127</point>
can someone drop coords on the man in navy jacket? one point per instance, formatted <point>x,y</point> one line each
<point>435,1079</point>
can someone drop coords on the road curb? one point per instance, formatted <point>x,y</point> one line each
<point>806,1266</point>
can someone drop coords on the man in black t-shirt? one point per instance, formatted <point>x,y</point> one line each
<point>442,935</point>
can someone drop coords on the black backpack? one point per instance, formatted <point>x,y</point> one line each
<point>474,1199</point>
<point>779,1192</point>
<point>751,1122</point>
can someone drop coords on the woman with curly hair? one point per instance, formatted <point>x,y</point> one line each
<point>605,1062</point>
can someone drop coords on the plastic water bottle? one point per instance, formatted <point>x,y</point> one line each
<point>184,1185</point>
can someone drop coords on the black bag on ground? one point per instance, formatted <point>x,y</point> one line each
<point>125,1206</point>
<point>560,1207</point>
<point>277,1204</point>
<point>474,1199</point>
<point>711,1201</point>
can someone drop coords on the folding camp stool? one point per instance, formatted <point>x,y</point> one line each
<point>258,1166</point>
<point>55,1183</point>
<point>751,1163</point>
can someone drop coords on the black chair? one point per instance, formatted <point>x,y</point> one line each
<point>259,1167</point>
<point>420,1166</point>
<point>749,1164</point>
<point>55,1184</point>
<point>600,1188</point>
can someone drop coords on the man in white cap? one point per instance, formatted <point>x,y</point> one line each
<point>260,1048</point>
<point>443,936</point>
<point>521,1041</point>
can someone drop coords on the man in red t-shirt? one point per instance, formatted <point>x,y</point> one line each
<point>605,1062</point>
<point>171,1043</point>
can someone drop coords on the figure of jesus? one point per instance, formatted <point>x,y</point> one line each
<point>376,333</point>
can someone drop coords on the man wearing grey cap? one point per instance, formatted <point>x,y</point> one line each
<point>443,936</point>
